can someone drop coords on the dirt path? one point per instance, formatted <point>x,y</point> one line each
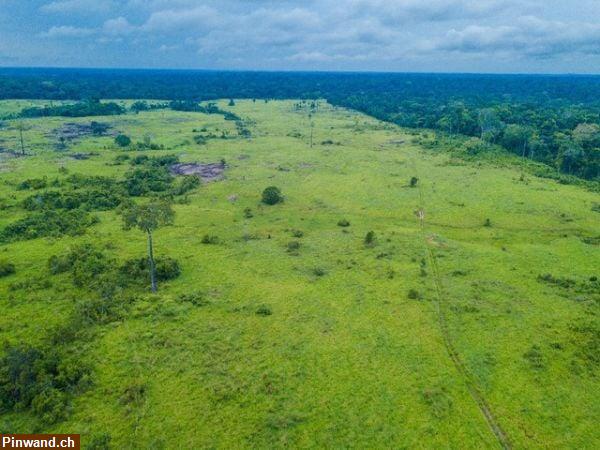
<point>470,382</point>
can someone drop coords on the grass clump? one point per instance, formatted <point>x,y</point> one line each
<point>343,223</point>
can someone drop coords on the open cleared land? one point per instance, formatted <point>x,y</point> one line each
<point>286,329</point>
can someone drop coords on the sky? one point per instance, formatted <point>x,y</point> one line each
<point>489,36</point>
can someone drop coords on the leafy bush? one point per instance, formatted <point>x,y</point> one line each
<point>370,239</point>
<point>248,213</point>
<point>343,223</point>
<point>139,269</point>
<point>297,233</point>
<point>414,181</point>
<point>48,223</point>
<point>123,140</point>
<point>195,298</point>
<point>264,311</point>
<point>413,294</point>
<point>187,183</point>
<point>147,180</point>
<point>210,239</point>
<point>33,183</point>
<point>6,269</point>
<point>37,379</point>
<point>272,195</point>
<point>93,199</point>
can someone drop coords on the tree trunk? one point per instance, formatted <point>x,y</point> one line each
<point>153,286</point>
<point>22,144</point>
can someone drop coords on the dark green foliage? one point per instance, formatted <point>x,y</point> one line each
<point>48,223</point>
<point>272,195</point>
<point>37,379</point>
<point>343,223</point>
<point>413,181</point>
<point>6,269</point>
<point>81,109</point>
<point>144,181</point>
<point>186,184</point>
<point>370,239</point>
<point>248,213</point>
<point>88,200</point>
<point>99,441</point>
<point>123,140</point>
<point>138,270</point>
<point>33,183</point>
<point>297,233</point>
<point>319,271</point>
<point>413,294</point>
<point>264,311</point>
<point>210,239</point>
<point>487,223</point>
<point>562,282</point>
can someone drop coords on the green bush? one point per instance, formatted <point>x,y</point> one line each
<point>272,195</point>
<point>187,183</point>
<point>210,239</point>
<point>6,269</point>
<point>343,223</point>
<point>144,181</point>
<point>293,247</point>
<point>48,223</point>
<point>264,311</point>
<point>138,270</point>
<point>39,380</point>
<point>370,239</point>
<point>33,183</point>
<point>413,294</point>
<point>413,181</point>
<point>123,140</point>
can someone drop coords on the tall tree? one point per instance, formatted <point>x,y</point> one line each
<point>148,217</point>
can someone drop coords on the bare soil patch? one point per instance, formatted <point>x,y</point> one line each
<point>206,172</point>
<point>71,131</point>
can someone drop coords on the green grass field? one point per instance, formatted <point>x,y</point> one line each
<point>346,359</point>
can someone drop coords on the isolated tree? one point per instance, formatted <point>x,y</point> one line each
<point>148,217</point>
<point>490,125</point>
<point>272,195</point>
<point>20,126</point>
<point>122,140</point>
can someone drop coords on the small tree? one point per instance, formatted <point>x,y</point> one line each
<point>272,195</point>
<point>147,218</point>
<point>413,181</point>
<point>122,140</point>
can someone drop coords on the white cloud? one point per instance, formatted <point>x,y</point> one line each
<point>118,26</point>
<point>67,31</point>
<point>72,6</point>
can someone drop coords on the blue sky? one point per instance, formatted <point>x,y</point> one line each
<point>534,36</point>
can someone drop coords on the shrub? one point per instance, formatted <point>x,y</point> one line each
<point>145,181</point>
<point>297,233</point>
<point>48,223</point>
<point>413,294</point>
<point>319,271</point>
<point>37,379</point>
<point>138,270</point>
<point>209,239</point>
<point>272,195</point>
<point>414,181</point>
<point>33,183</point>
<point>264,311</point>
<point>187,183</point>
<point>343,223</point>
<point>370,239</point>
<point>293,247</point>
<point>487,223</point>
<point>248,213</point>
<point>123,140</point>
<point>6,269</point>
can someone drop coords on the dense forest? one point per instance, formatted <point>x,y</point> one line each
<point>550,119</point>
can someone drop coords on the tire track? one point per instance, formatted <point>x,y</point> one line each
<point>461,368</point>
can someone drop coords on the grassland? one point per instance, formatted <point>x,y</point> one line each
<point>346,358</point>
